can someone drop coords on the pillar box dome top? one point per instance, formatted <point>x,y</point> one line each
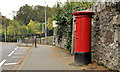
<point>83,13</point>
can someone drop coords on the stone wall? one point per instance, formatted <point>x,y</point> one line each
<point>106,35</point>
<point>62,43</point>
<point>49,40</point>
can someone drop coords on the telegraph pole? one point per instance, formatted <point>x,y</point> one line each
<point>45,26</point>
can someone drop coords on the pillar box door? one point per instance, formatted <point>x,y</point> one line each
<point>83,37</point>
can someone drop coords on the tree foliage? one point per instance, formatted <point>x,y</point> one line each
<point>23,30</point>
<point>34,27</point>
<point>14,28</point>
<point>49,23</point>
<point>31,27</point>
<point>35,13</point>
<point>17,28</point>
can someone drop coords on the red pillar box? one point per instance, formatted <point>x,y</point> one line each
<point>82,37</point>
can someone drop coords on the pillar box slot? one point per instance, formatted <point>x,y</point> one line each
<point>82,37</point>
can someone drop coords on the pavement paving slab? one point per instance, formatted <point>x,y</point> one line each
<point>46,57</point>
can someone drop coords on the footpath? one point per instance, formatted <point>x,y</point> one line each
<point>46,57</point>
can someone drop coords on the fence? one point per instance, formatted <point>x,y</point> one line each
<point>10,37</point>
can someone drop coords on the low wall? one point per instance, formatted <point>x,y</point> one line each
<point>49,40</point>
<point>53,41</point>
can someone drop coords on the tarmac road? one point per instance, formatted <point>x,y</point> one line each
<point>6,49</point>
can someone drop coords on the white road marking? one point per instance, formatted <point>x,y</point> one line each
<point>2,62</point>
<point>10,63</point>
<point>19,53</point>
<point>11,53</point>
<point>16,48</point>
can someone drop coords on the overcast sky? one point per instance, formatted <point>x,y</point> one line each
<point>7,6</point>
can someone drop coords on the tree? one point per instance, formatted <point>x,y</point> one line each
<point>31,27</point>
<point>35,13</point>
<point>34,27</point>
<point>14,28</point>
<point>23,30</point>
<point>49,23</point>
<point>38,29</point>
<point>24,14</point>
<point>2,30</point>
